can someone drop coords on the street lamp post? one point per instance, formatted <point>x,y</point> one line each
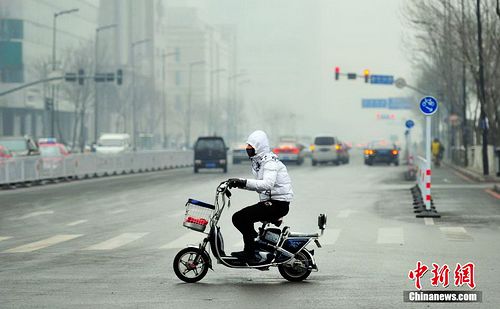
<point>188,125</point>
<point>96,60</point>
<point>53,88</point>
<point>211,106</point>
<point>164,103</point>
<point>134,112</point>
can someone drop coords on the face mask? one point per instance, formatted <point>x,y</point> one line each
<point>250,152</point>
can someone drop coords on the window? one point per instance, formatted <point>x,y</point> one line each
<point>11,29</point>
<point>177,55</point>
<point>11,62</point>
<point>177,78</point>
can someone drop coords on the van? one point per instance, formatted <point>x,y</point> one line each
<point>328,149</point>
<point>113,143</point>
<point>210,152</point>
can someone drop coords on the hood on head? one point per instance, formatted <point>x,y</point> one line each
<point>258,140</point>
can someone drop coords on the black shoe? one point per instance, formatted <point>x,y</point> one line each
<point>254,258</point>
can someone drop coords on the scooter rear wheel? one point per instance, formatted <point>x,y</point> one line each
<point>297,270</point>
<point>189,270</point>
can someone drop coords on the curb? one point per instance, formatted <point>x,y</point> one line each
<point>472,175</point>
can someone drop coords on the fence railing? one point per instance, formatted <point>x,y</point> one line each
<point>36,168</point>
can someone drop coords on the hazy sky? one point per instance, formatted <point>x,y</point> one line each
<point>290,48</point>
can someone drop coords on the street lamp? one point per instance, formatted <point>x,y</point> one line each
<point>164,103</point>
<point>53,88</point>
<point>96,60</point>
<point>134,117</point>
<point>211,106</point>
<point>188,125</point>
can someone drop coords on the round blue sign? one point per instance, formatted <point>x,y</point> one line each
<point>409,124</point>
<point>428,105</point>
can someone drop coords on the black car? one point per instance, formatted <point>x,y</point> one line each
<point>381,153</point>
<point>210,152</point>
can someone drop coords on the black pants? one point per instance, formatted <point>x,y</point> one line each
<point>244,219</point>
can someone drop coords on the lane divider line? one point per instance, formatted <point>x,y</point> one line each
<point>456,233</point>
<point>44,243</point>
<point>4,237</point>
<point>116,242</point>
<point>429,221</point>
<point>76,222</point>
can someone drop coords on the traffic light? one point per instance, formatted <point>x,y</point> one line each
<point>70,77</point>
<point>366,73</point>
<point>337,73</point>
<point>81,76</point>
<point>119,76</point>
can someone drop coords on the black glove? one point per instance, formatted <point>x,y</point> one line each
<point>236,183</point>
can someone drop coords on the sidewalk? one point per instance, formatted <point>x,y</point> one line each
<point>474,175</point>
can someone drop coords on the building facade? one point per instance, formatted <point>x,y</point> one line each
<point>26,51</point>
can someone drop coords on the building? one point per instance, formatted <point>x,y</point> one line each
<point>198,76</point>
<point>26,37</point>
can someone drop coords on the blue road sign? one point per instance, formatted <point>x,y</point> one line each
<point>382,79</point>
<point>399,103</point>
<point>374,103</point>
<point>428,105</point>
<point>409,124</point>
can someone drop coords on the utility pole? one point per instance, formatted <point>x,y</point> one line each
<point>96,60</point>
<point>464,92</point>
<point>53,87</point>
<point>164,103</point>
<point>134,110</point>
<point>482,93</point>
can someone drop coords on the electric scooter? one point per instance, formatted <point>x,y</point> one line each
<point>276,247</point>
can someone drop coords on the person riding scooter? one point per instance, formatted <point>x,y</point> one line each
<point>275,191</point>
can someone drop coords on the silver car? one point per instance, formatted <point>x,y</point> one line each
<point>328,149</point>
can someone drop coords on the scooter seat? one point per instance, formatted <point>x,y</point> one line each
<point>276,222</point>
<point>293,234</point>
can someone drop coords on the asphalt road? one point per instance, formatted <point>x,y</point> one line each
<point>110,242</point>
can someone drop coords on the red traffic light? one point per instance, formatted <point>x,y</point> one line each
<point>337,73</point>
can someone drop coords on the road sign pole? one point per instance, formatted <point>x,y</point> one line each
<point>429,160</point>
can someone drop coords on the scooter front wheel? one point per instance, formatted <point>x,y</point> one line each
<point>296,270</point>
<point>189,270</point>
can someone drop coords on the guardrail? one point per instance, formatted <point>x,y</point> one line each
<point>423,204</point>
<point>34,169</point>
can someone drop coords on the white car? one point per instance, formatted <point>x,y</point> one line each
<point>113,144</point>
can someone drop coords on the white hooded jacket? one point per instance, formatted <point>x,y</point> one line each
<point>272,179</point>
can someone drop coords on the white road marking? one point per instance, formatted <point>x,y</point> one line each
<point>76,222</point>
<point>329,237</point>
<point>345,213</point>
<point>4,237</point>
<point>34,214</point>
<point>177,215</point>
<point>429,221</point>
<point>117,211</point>
<point>390,235</point>
<point>190,238</point>
<point>456,233</point>
<point>117,241</point>
<point>37,245</point>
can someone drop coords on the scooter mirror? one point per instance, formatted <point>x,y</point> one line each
<point>322,221</point>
